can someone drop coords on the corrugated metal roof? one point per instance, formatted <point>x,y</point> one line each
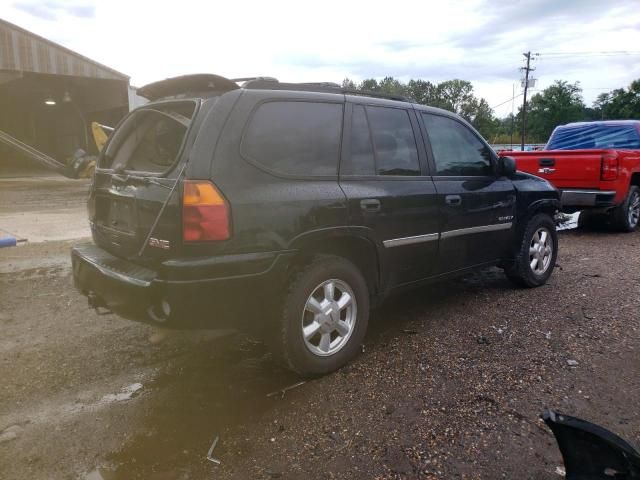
<point>23,51</point>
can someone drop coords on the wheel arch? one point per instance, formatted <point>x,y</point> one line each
<point>358,249</point>
<point>635,179</point>
<point>550,206</point>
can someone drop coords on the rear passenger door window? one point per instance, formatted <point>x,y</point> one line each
<point>457,151</point>
<point>382,143</point>
<point>361,161</point>
<point>295,137</point>
<point>393,141</point>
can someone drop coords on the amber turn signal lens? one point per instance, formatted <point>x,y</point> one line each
<point>205,213</point>
<point>201,193</point>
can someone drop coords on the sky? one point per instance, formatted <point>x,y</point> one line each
<point>478,40</point>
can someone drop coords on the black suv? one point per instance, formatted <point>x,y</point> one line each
<point>288,209</point>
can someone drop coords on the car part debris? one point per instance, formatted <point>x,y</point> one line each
<point>213,445</point>
<point>126,393</point>
<point>285,389</point>
<point>591,452</point>
<point>79,165</point>
<point>100,134</point>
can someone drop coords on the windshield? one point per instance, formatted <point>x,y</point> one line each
<point>594,137</point>
<point>150,140</point>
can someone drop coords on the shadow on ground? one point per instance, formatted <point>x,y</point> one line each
<point>228,382</point>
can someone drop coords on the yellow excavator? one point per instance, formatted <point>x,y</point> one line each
<point>79,165</point>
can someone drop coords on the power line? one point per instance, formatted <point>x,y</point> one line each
<point>507,101</point>
<point>591,53</point>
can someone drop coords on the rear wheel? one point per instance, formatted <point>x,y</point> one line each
<point>536,256</point>
<point>324,316</point>
<point>627,215</point>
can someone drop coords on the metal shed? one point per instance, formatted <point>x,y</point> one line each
<point>50,94</point>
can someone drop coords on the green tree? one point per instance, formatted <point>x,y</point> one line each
<point>557,104</point>
<point>370,84</point>
<point>392,86</point>
<point>455,95</point>
<point>619,104</point>
<point>348,84</point>
<point>480,115</point>
<point>421,91</point>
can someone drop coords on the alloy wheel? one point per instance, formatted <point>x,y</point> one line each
<point>633,212</point>
<point>540,251</point>
<point>329,317</point>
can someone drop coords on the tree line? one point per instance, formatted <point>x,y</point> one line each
<point>560,103</point>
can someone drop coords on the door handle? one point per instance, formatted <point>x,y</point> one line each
<point>454,200</point>
<point>370,205</point>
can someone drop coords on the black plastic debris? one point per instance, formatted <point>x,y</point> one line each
<point>591,452</point>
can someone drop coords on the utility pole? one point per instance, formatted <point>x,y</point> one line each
<point>513,118</point>
<point>526,69</point>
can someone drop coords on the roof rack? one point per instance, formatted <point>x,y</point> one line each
<point>249,79</point>
<point>270,83</point>
<point>207,83</point>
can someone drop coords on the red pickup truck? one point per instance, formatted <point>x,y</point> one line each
<point>596,166</point>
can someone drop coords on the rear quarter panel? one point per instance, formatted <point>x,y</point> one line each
<point>270,212</point>
<point>629,164</point>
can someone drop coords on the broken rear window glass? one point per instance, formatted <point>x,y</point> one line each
<point>150,139</point>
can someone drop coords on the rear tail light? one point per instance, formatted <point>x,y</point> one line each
<point>205,213</point>
<point>609,169</point>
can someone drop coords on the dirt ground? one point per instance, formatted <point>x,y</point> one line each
<point>42,207</point>
<point>450,384</point>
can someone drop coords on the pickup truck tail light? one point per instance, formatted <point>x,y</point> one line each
<point>609,169</point>
<point>205,212</point>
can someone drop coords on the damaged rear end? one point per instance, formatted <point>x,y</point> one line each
<point>148,220</point>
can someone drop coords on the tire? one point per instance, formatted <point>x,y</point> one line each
<point>338,337</point>
<point>520,271</point>
<point>627,215</point>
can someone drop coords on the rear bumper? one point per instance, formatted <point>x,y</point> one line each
<point>174,295</point>
<point>587,198</point>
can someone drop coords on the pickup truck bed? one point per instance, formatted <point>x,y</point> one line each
<point>578,174</point>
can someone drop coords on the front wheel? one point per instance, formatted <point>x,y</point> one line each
<point>536,256</point>
<point>324,316</point>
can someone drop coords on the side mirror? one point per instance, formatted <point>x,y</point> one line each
<point>506,166</point>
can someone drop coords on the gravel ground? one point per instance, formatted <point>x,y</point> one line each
<point>451,382</point>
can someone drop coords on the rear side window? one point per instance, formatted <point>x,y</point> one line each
<point>457,151</point>
<point>295,138</point>
<point>382,143</point>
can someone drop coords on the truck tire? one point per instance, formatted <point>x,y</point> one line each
<point>324,316</point>
<point>536,253</point>
<point>627,215</point>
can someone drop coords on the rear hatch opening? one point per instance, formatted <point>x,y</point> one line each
<point>149,140</point>
<point>135,176</point>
